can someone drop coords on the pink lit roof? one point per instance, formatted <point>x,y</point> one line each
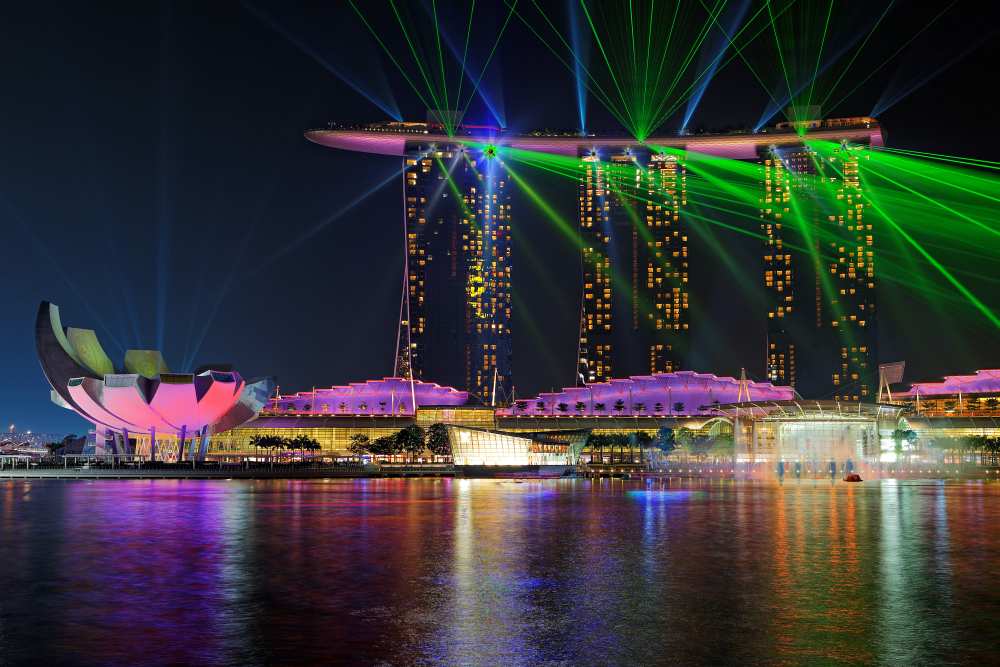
<point>680,393</point>
<point>986,381</point>
<point>368,397</point>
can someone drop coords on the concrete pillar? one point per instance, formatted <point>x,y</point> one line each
<point>203,449</point>
<point>126,445</point>
<point>180,443</point>
<point>152,444</point>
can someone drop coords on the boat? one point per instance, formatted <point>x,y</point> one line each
<point>853,477</point>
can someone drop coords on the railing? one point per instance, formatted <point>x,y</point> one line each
<point>79,468</point>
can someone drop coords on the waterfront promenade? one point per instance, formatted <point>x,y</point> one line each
<point>26,468</point>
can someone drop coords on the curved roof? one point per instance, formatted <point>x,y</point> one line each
<point>146,397</point>
<point>386,396</point>
<point>385,140</point>
<point>985,381</point>
<point>667,394</point>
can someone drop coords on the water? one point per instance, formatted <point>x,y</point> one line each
<point>456,572</point>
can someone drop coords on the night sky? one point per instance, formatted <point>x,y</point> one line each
<point>156,185</point>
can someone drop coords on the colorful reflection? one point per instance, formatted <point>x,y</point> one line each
<point>447,572</point>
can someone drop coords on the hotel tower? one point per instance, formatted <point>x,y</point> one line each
<point>819,272</point>
<point>634,256</point>
<point>455,315</point>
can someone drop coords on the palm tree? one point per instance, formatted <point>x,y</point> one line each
<point>598,407</point>
<point>580,406</point>
<point>562,407</point>
<point>540,406</point>
<point>639,407</point>
<point>619,405</point>
<point>658,407</point>
<point>679,407</point>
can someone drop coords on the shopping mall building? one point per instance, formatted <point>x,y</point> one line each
<point>768,423</point>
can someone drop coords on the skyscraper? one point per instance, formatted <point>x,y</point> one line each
<point>634,257</point>
<point>455,316</point>
<point>819,272</point>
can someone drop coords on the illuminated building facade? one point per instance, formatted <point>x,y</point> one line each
<point>976,395</point>
<point>818,261</point>
<point>819,272</point>
<point>455,318</point>
<point>141,408</point>
<point>634,257</point>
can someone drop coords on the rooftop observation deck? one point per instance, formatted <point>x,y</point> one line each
<point>394,138</point>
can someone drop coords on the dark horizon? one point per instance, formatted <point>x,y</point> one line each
<point>159,189</point>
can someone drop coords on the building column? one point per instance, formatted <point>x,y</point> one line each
<point>203,449</point>
<point>152,444</point>
<point>180,443</point>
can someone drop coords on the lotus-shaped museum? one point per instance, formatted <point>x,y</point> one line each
<point>142,405</point>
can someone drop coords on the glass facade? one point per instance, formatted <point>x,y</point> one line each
<point>475,447</point>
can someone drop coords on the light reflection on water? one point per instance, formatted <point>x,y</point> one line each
<point>456,572</point>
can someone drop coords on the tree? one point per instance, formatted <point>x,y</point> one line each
<point>679,406</point>
<point>597,442</point>
<point>270,443</point>
<point>992,403</point>
<point>619,405</point>
<point>360,444</point>
<point>520,406</point>
<point>991,451</point>
<point>684,437</point>
<point>304,443</point>
<point>384,446</point>
<point>381,406</point>
<point>437,440</point>
<point>598,407</point>
<point>658,407</point>
<point>410,440</point>
<point>580,406</point>
<point>562,407</point>
<point>665,441</point>
<point>643,441</point>
<point>722,447</point>
<point>899,436</point>
<point>540,406</point>
<point>639,407</point>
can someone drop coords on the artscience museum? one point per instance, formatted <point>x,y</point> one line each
<point>141,408</point>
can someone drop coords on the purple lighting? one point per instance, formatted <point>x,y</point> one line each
<point>982,382</point>
<point>666,394</point>
<point>388,396</point>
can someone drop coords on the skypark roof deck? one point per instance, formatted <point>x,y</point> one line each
<point>394,138</point>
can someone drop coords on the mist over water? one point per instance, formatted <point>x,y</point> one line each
<point>470,572</point>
